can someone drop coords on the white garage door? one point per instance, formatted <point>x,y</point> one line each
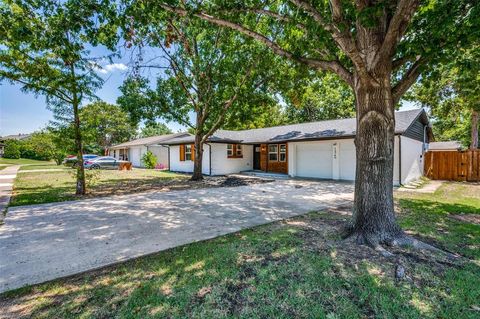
<point>135,156</point>
<point>347,160</point>
<point>314,160</point>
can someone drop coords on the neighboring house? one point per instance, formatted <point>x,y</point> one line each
<point>18,137</point>
<point>135,149</point>
<point>445,146</point>
<point>322,149</point>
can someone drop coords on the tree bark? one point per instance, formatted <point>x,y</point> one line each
<point>197,161</point>
<point>374,221</point>
<point>474,130</point>
<point>80,188</point>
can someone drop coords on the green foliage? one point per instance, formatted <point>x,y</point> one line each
<point>12,149</point>
<point>324,98</point>
<point>451,92</point>
<point>103,125</point>
<point>154,129</point>
<point>38,146</point>
<point>149,160</point>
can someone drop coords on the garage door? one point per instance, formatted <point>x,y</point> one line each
<point>347,160</point>
<point>135,156</point>
<point>314,160</point>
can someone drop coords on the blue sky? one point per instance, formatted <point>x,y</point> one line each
<point>24,113</point>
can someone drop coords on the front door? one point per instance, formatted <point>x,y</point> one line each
<point>256,156</point>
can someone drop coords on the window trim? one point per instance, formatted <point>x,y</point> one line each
<point>280,153</point>
<point>234,149</point>
<point>273,153</point>
<point>186,147</point>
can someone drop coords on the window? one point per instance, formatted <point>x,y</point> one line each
<point>239,152</point>
<point>283,152</point>
<point>234,151</point>
<point>273,152</point>
<point>230,150</point>
<point>188,152</point>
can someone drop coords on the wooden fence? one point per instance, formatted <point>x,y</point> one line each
<point>453,165</point>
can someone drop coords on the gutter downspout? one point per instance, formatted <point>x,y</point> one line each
<point>209,159</point>
<point>400,160</point>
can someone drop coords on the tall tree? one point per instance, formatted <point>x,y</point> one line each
<point>43,48</point>
<point>452,93</point>
<point>104,124</point>
<point>154,128</point>
<point>322,98</point>
<point>203,76</point>
<point>378,47</point>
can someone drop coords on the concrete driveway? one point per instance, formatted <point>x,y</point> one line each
<point>43,242</point>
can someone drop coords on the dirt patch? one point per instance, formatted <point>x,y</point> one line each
<point>165,185</point>
<point>467,218</point>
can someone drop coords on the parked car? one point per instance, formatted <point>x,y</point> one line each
<point>71,161</point>
<point>104,162</point>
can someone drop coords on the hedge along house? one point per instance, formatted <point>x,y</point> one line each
<point>134,150</point>
<point>323,150</point>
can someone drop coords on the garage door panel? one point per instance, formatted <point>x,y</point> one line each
<point>347,160</point>
<point>314,160</point>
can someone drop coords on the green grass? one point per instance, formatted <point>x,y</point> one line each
<point>3,167</point>
<point>22,161</point>
<point>46,187</point>
<point>51,165</point>
<point>299,268</point>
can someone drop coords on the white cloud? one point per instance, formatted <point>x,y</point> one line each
<point>109,68</point>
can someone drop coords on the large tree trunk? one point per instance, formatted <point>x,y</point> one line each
<point>80,188</point>
<point>197,161</point>
<point>374,221</point>
<point>474,131</point>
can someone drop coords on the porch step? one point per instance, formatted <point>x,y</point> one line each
<point>264,174</point>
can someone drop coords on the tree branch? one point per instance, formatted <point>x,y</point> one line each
<point>396,28</point>
<point>333,66</point>
<point>408,79</point>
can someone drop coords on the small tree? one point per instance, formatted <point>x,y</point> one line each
<point>12,149</point>
<point>149,160</point>
<point>202,74</point>
<point>44,49</point>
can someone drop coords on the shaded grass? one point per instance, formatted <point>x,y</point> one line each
<point>22,161</point>
<point>41,166</point>
<point>56,186</point>
<point>298,268</point>
<point>3,167</point>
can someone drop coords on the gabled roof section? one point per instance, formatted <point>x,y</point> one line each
<point>152,140</point>
<point>329,129</point>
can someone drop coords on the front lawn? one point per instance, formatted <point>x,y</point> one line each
<point>54,186</point>
<point>298,268</point>
<point>50,165</point>
<point>22,161</point>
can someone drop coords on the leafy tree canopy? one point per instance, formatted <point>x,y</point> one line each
<point>154,128</point>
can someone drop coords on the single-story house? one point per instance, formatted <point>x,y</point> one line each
<point>323,149</point>
<point>445,146</point>
<point>18,137</point>
<point>134,150</point>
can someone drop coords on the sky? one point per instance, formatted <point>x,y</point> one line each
<point>24,113</point>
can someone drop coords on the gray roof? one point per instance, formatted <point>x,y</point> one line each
<point>329,129</point>
<point>444,146</point>
<point>158,139</point>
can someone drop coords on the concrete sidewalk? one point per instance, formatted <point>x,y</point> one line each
<point>7,177</point>
<point>43,242</point>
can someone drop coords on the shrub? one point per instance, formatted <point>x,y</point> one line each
<point>149,160</point>
<point>12,149</point>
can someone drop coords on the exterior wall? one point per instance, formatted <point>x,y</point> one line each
<point>272,166</point>
<point>176,165</point>
<point>161,153</point>
<point>135,154</point>
<point>412,159</point>
<point>342,159</point>
<point>221,164</point>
